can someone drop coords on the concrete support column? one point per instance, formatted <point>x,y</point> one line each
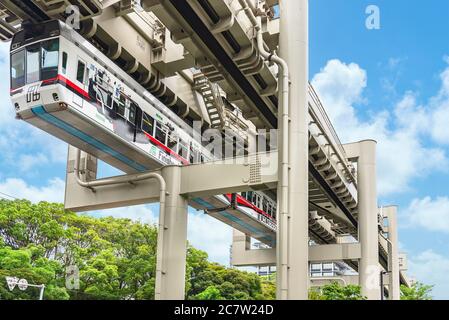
<point>293,246</point>
<point>393,254</point>
<point>369,271</point>
<point>170,285</point>
<point>240,240</point>
<point>88,164</point>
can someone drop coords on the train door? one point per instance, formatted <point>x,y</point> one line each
<point>80,81</point>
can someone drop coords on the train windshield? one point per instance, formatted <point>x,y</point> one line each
<point>36,62</point>
<point>49,59</point>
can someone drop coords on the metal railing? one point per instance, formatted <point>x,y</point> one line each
<point>319,115</point>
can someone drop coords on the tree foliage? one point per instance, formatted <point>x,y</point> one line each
<point>116,258</point>
<point>418,291</point>
<point>335,291</point>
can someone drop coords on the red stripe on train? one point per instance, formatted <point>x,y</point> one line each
<point>72,85</point>
<point>246,203</point>
<point>166,149</point>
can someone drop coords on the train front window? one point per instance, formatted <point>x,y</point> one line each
<point>33,64</point>
<point>50,59</point>
<point>18,70</point>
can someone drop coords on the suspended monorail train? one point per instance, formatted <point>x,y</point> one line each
<point>64,85</point>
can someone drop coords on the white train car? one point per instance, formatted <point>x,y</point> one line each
<point>65,86</point>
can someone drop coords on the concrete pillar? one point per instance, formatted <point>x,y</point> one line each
<point>173,249</point>
<point>369,271</point>
<point>293,264</point>
<point>88,164</point>
<point>240,240</point>
<point>393,253</point>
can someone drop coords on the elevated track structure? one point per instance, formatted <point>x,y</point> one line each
<point>206,62</point>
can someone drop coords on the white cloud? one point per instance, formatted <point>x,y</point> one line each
<point>431,268</point>
<point>7,112</point>
<point>17,137</point>
<point>402,155</point>
<point>431,214</point>
<point>53,191</point>
<point>142,213</point>
<point>28,162</point>
<point>440,107</point>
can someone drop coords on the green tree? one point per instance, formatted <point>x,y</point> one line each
<point>116,258</point>
<point>19,263</point>
<point>211,293</point>
<point>335,291</point>
<point>268,286</point>
<point>418,291</point>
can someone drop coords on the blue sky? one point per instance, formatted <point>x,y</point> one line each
<point>390,84</point>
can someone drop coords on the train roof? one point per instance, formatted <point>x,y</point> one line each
<point>32,32</point>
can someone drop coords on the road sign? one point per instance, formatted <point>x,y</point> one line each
<point>23,284</point>
<point>12,282</point>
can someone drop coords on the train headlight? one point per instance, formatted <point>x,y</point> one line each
<point>55,96</point>
<point>16,106</point>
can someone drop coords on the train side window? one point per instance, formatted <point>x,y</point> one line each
<point>33,63</point>
<point>194,154</point>
<point>121,109</point>
<point>65,58</point>
<point>148,124</point>
<point>182,150</point>
<point>161,133</point>
<point>191,154</point>
<point>172,141</point>
<point>18,70</point>
<point>132,113</point>
<point>80,71</point>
